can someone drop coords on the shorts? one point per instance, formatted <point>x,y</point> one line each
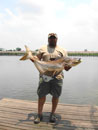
<point>53,87</point>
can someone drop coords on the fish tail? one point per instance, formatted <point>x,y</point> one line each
<point>27,55</point>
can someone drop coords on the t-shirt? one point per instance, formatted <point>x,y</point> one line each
<point>47,53</point>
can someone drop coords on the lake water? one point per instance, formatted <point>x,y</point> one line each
<point>19,79</point>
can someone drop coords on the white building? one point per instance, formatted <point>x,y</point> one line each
<point>2,49</point>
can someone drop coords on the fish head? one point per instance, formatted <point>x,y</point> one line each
<point>76,61</point>
<point>71,61</point>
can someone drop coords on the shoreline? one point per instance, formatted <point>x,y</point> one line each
<point>70,53</point>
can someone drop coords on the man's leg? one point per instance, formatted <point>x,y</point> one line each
<point>39,116</point>
<point>41,102</point>
<point>56,88</point>
<point>54,104</point>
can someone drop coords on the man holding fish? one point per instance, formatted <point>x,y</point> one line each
<point>54,86</point>
<point>50,61</point>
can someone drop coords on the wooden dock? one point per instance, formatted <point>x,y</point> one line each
<point>18,114</point>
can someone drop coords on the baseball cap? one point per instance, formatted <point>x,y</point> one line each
<point>52,34</point>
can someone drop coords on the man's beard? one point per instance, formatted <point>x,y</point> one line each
<point>53,45</point>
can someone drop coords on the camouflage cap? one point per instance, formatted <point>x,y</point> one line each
<point>52,34</point>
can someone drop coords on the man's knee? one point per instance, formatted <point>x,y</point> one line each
<point>42,99</point>
<point>55,98</point>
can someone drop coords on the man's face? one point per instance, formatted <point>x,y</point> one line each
<point>52,41</point>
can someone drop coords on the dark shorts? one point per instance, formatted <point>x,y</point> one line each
<point>53,87</point>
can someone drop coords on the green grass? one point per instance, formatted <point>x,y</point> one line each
<point>82,54</point>
<point>69,53</point>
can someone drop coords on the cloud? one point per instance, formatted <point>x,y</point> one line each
<point>77,27</point>
<point>84,19</point>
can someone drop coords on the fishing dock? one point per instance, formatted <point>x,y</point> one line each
<point>16,114</point>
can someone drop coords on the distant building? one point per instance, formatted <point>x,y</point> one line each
<point>2,49</point>
<point>85,50</point>
<point>10,50</point>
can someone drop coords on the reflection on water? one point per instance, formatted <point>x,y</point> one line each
<point>19,79</point>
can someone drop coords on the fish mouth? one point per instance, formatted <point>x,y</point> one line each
<point>77,62</point>
<point>80,60</point>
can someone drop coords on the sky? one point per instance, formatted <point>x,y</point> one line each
<point>28,22</point>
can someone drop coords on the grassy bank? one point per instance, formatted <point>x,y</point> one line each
<point>7,53</point>
<point>83,54</point>
<point>70,53</point>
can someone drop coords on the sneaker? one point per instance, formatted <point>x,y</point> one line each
<point>52,118</point>
<point>38,119</point>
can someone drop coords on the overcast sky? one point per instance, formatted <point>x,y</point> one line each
<point>28,22</point>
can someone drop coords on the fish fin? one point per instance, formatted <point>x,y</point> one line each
<point>27,49</point>
<point>54,73</point>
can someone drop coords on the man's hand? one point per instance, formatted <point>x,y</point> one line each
<point>67,68</point>
<point>32,60</point>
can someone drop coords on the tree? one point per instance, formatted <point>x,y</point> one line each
<point>18,49</point>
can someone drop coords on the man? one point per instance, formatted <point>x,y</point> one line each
<point>54,86</point>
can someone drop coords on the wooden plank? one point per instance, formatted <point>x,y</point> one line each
<point>62,123</point>
<point>60,115</point>
<point>29,101</point>
<point>3,127</point>
<point>47,106</point>
<point>35,104</point>
<point>66,115</point>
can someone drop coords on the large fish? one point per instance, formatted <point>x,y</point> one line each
<point>50,68</point>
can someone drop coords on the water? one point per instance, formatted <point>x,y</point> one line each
<point>19,79</point>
